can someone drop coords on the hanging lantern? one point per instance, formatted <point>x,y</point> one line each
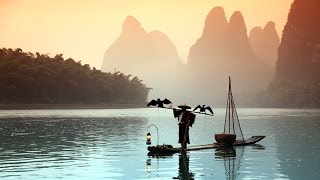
<point>149,135</point>
<point>148,139</point>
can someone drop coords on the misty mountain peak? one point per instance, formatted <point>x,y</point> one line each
<point>271,33</point>
<point>217,11</point>
<point>256,34</point>
<point>238,32</point>
<point>216,16</point>
<point>265,42</point>
<point>216,21</point>
<point>255,30</point>
<point>131,21</point>
<point>163,48</point>
<point>162,42</point>
<point>131,26</point>
<point>150,56</point>
<point>270,25</point>
<point>135,50</point>
<point>237,22</point>
<point>236,14</point>
<point>158,34</point>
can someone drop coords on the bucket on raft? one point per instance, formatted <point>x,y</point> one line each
<point>227,139</point>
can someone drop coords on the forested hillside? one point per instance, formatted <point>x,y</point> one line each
<point>297,79</point>
<point>38,78</point>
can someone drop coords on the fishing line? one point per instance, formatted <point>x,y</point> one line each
<point>158,116</point>
<point>205,122</point>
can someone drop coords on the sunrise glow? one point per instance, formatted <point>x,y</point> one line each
<point>85,29</point>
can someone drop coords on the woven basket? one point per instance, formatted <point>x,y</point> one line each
<point>227,139</point>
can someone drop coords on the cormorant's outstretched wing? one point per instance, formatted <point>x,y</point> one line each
<point>197,108</point>
<point>152,103</point>
<point>209,108</point>
<point>166,101</point>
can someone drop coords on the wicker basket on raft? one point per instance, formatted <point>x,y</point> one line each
<point>226,139</point>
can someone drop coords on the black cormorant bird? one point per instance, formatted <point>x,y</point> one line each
<point>158,102</point>
<point>203,109</point>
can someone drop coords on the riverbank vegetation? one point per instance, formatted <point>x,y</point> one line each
<point>38,78</point>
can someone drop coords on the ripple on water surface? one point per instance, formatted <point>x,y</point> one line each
<point>110,144</point>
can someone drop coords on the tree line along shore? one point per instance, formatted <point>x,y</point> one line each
<point>28,79</point>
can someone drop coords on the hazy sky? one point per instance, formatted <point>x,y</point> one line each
<point>84,29</point>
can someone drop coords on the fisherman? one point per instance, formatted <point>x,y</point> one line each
<point>185,119</point>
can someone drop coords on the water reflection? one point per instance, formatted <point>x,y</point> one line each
<point>148,166</point>
<point>232,160</point>
<point>231,166</point>
<point>184,171</point>
<point>297,146</point>
<point>151,166</point>
<point>68,145</point>
<point>110,144</point>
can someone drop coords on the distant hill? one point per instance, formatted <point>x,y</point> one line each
<point>135,48</point>
<point>151,56</point>
<point>222,50</point>
<point>265,43</point>
<point>297,79</point>
<point>38,78</point>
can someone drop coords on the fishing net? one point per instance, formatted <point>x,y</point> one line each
<point>231,123</point>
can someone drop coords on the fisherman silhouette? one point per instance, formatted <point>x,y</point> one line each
<point>185,119</point>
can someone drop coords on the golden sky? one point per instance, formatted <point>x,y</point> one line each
<point>84,29</point>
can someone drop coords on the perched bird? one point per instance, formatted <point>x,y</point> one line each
<point>158,102</point>
<point>203,109</point>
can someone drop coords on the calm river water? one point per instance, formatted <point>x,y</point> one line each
<point>110,144</point>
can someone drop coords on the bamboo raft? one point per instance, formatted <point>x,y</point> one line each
<point>232,135</point>
<point>168,149</point>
